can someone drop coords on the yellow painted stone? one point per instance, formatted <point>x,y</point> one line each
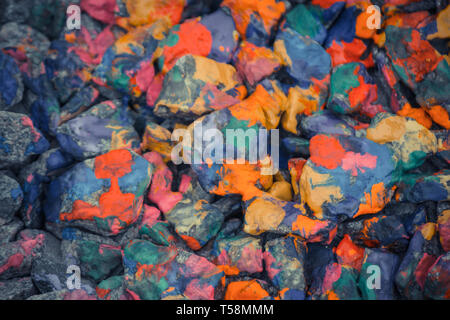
<point>281,190</point>
<point>388,130</point>
<point>263,215</point>
<point>316,189</point>
<point>428,230</point>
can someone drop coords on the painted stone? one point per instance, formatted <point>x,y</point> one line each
<point>351,89</point>
<point>342,43</point>
<point>418,65</point>
<point>136,13</point>
<point>295,166</point>
<point>113,288</point>
<point>326,11</point>
<point>157,138</point>
<point>45,111</point>
<point>49,272</point>
<point>296,147</point>
<point>443,147</point>
<point>198,85</point>
<point>127,65</point>
<point>213,36</point>
<point>11,11</point>
<point>104,194</point>
<point>349,254</point>
<point>160,192</point>
<point>284,259</point>
<point>47,16</point>
<point>340,283</point>
<point>334,275</point>
<point>155,272</point>
<point>261,111</point>
<point>347,176</point>
<point>311,76</point>
<point>417,188</point>
<point>103,10</point>
<point>281,190</point>
<point>102,128</point>
<point>302,20</point>
<point>255,20</point>
<point>73,58</point>
<point>195,220</point>
<point>97,258</point>
<point>33,178</point>
<point>154,228</point>
<point>325,122</point>
<point>377,263</point>
<point>421,255</point>
<point>247,290</point>
<point>383,231</point>
<point>238,254</point>
<point>26,45</point>
<point>437,280</point>
<point>410,142</point>
<point>444,229</point>
<point>268,214</point>
<point>347,199</point>
<point>294,50</point>
<point>78,103</point>
<point>16,258</point>
<point>319,258</point>
<point>254,63</point>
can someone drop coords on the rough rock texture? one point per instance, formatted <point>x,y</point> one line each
<point>224,149</point>
<point>18,127</point>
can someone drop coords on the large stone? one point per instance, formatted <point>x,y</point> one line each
<point>102,128</point>
<point>269,214</point>
<point>104,195</point>
<point>418,65</point>
<point>347,176</point>
<point>409,141</point>
<point>197,85</point>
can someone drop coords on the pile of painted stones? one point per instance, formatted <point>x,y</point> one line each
<point>93,205</point>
